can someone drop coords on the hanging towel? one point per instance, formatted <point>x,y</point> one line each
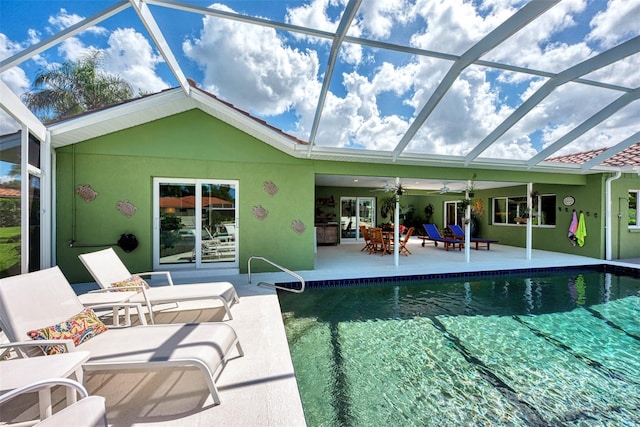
<point>581,232</point>
<point>573,228</point>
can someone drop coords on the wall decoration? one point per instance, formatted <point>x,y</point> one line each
<point>259,212</point>
<point>298,226</point>
<point>86,193</point>
<point>126,208</point>
<point>270,188</point>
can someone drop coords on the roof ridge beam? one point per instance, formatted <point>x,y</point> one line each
<point>149,22</point>
<point>587,66</point>
<point>515,23</point>
<point>71,30</point>
<point>583,127</point>
<point>345,23</point>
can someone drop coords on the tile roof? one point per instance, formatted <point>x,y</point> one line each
<point>190,202</point>
<point>10,193</point>
<point>627,157</point>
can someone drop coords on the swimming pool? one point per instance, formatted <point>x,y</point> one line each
<point>522,349</point>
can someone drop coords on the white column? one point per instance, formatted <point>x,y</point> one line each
<point>467,226</point>
<point>396,228</point>
<point>529,220</point>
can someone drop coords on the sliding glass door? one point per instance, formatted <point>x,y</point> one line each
<point>355,211</point>
<point>195,223</point>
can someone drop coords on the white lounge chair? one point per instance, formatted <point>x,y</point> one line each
<point>43,298</point>
<point>106,268</point>
<point>89,411</point>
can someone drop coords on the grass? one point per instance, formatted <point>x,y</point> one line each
<point>9,248</point>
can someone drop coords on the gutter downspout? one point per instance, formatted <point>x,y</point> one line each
<point>607,226</point>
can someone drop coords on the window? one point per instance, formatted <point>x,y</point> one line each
<point>513,210</point>
<point>634,214</point>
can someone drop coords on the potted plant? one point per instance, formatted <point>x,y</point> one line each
<point>471,186</point>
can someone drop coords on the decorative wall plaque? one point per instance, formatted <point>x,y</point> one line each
<point>259,212</point>
<point>86,193</point>
<point>126,208</point>
<point>270,188</point>
<point>298,226</point>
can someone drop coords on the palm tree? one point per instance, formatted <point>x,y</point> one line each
<point>75,87</point>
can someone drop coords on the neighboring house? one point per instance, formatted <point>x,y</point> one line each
<point>176,154</point>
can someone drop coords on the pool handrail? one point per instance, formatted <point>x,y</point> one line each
<point>274,286</point>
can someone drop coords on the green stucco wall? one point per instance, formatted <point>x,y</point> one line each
<point>588,199</point>
<point>626,240</point>
<point>122,165</point>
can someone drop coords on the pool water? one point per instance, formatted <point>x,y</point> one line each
<point>517,350</point>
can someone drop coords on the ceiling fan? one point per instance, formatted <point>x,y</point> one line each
<point>444,190</point>
<point>397,189</point>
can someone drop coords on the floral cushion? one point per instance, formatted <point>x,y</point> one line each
<point>80,328</point>
<point>134,280</point>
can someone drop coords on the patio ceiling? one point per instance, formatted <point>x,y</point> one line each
<point>521,132</point>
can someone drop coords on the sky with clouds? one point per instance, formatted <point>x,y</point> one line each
<point>374,93</point>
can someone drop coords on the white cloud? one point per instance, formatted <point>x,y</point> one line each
<point>15,79</point>
<point>379,17</point>
<point>73,49</point>
<point>128,55</point>
<point>7,124</point>
<point>533,46</point>
<point>271,73</point>
<point>251,66</point>
<point>64,20</point>
<point>131,57</point>
<point>315,15</point>
<point>617,23</point>
<point>453,26</point>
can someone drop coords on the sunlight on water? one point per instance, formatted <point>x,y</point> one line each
<point>553,350</point>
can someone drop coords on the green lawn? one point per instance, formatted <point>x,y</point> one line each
<point>9,249</point>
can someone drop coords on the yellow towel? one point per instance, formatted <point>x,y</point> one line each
<point>581,232</point>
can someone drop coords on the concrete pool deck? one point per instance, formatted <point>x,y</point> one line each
<point>259,389</point>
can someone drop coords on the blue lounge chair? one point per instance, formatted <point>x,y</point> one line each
<point>434,235</point>
<point>458,233</point>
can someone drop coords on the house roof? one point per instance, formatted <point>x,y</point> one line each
<point>10,193</point>
<point>628,157</point>
<point>599,76</point>
<point>190,202</point>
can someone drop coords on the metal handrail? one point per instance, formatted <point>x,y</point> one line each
<point>273,286</point>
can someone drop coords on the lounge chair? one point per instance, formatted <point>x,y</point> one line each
<point>434,235</point>
<point>43,299</point>
<point>107,269</point>
<point>458,233</point>
<point>89,411</point>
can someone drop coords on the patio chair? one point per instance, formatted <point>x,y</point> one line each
<point>42,302</point>
<point>108,270</point>
<point>434,235</point>
<point>377,241</point>
<point>402,247</point>
<point>89,411</point>
<point>458,233</point>
<point>365,236</point>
